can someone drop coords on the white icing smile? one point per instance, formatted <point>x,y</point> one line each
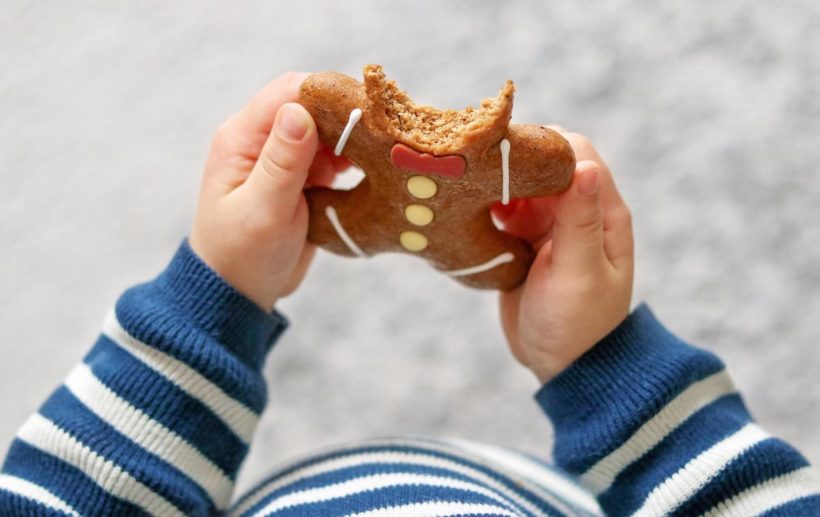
<point>490,264</point>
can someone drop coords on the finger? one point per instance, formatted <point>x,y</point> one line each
<point>509,306</point>
<point>240,139</point>
<point>618,241</point>
<point>618,238</point>
<point>279,175</point>
<point>617,219</point>
<point>584,150</point>
<point>322,170</point>
<point>578,234</point>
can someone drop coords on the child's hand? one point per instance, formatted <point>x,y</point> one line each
<point>252,218</point>
<point>580,286</point>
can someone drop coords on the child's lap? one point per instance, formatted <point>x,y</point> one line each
<point>417,475</point>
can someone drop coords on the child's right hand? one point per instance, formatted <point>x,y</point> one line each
<point>580,286</point>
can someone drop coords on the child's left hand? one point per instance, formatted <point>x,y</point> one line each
<point>252,218</point>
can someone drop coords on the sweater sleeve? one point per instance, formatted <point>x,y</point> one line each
<point>158,417</point>
<point>654,426</point>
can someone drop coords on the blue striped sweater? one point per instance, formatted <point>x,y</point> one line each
<point>158,418</point>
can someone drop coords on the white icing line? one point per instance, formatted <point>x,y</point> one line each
<point>495,262</point>
<point>334,220</point>
<point>355,116</point>
<point>505,171</point>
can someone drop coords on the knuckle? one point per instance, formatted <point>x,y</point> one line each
<point>627,217</point>
<point>590,224</point>
<point>223,138</point>
<point>290,78</point>
<point>580,226</point>
<point>275,163</point>
<point>580,142</point>
<point>623,217</point>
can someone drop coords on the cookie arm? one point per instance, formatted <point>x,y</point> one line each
<point>541,162</point>
<point>331,99</point>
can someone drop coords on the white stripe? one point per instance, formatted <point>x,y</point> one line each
<point>236,415</point>
<point>554,483</point>
<point>439,509</point>
<point>686,482</point>
<point>149,434</point>
<point>770,494</point>
<point>388,458</point>
<point>445,448</point>
<point>505,171</point>
<point>43,434</point>
<point>368,483</point>
<point>355,115</point>
<point>697,396</point>
<point>495,262</point>
<point>330,212</point>
<point>34,492</point>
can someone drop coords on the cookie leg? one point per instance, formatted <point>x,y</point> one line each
<point>495,260</point>
<point>330,222</point>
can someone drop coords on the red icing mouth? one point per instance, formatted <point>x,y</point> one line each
<point>451,166</point>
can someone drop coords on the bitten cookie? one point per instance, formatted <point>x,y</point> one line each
<point>431,177</point>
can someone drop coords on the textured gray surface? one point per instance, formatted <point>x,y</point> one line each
<point>708,116</point>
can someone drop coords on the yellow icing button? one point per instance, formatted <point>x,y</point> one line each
<point>419,215</point>
<point>421,187</point>
<point>413,241</point>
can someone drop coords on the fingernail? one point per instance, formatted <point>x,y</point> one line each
<point>291,124</point>
<point>588,182</point>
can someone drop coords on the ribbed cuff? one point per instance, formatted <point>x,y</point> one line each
<point>214,306</point>
<point>624,380</point>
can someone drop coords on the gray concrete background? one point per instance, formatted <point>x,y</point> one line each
<point>709,115</point>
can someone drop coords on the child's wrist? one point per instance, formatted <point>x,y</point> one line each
<point>549,368</point>
<point>235,272</point>
<point>189,293</point>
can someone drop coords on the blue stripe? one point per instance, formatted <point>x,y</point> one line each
<point>14,505</point>
<point>166,403</point>
<point>71,415</point>
<point>383,497</point>
<point>803,507</point>
<point>764,461</point>
<point>698,433</point>
<point>145,314</point>
<point>508,483</point>
<point>64,481</point>
<point>368,469</point>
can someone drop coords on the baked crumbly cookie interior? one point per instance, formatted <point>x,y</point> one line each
<point>430,127</point>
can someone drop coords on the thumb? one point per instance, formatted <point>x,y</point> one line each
<point>578,234</point>
<point>280,173</point>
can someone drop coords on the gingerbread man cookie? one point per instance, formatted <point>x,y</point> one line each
<point>430,177</point>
